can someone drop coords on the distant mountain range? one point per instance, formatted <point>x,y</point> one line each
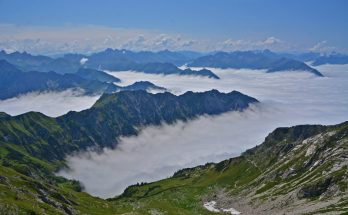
<point>146,62</point>
<point>169,69</point>
<point>267,60</point>
<point>143,85</point>
<point>163,62</point>
<point>317,59</point>
<point>14,82</point>
<point>330,59</point>
<point>82,71</point>
<point>143,57</point>
<point>25,61</point>
<point>167,62</point>
<point>97,75</point>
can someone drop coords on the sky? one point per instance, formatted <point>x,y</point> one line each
<point>182,24</point>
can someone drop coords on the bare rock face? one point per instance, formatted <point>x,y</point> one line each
<point>314,190</point>
<point>309,178</point>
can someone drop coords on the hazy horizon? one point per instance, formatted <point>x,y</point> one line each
<point>181,25</point>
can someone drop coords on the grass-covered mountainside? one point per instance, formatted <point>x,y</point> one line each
<point>111,116</point>
<point>296,170</point>
<point>33,146</point>
<point>267,60</point>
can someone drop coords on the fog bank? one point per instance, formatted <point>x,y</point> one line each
<point>157,152</point>
<point>49,103</point>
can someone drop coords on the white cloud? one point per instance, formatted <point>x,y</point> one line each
<point>286,99</point>
<point>270,41</point>
<point>267,43</point>
<point>157,42</point>
<point>88,39</point>
<point>83,60</point>
<point>322,47</point>
<point>49,103</point>
<point>231,42</point>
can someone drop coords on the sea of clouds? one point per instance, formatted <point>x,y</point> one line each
<point>287,99</point>
<point>49,103</point>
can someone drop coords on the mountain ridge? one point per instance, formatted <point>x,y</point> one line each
<point>14,82</point>
<point>252,60</point>
<point>114,115</point>
<point>33,146</point>
<point>162,62</point>
<point>97,75</point>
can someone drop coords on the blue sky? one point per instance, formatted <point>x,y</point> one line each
<point>297,23</point>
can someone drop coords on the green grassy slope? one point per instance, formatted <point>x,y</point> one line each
<point>298,170</point>
<point>33,146</point>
